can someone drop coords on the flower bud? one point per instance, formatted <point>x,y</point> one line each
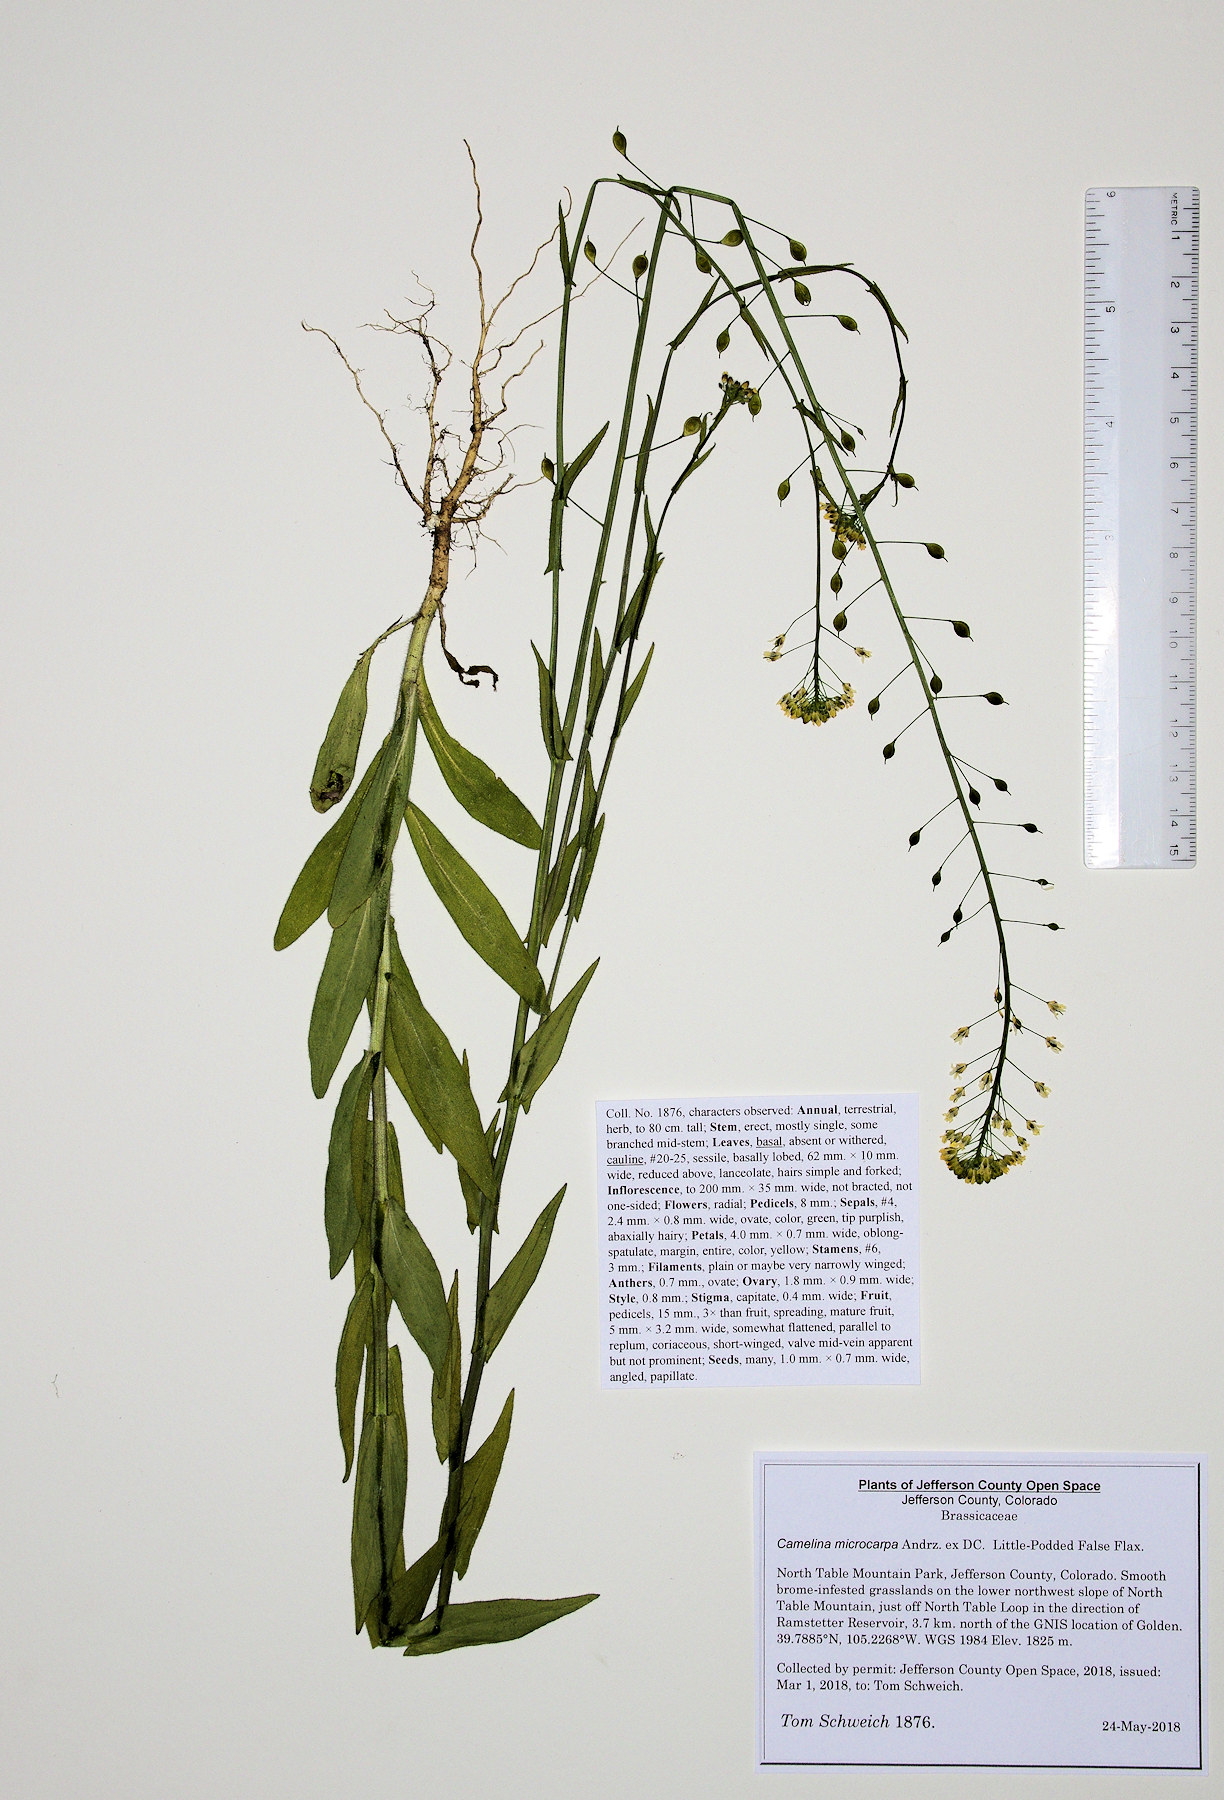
<point>890,750</point>
<point>835,582</point>
<point>640,266</point>
<point>547,468</point>
<point>803,294</point>
<point>733,239</point>
<point>994,697</point>
<point>783,490</point>
<point>846,322</point>
<point>798,250</point>
<point>619,142</point>
<point>905,481</point>
<point>721,341</point>
<point>839,621</point>
<point>935,550</point>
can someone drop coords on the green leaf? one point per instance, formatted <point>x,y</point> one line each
<point>471,1193</point>
<point>477,789</point>
<point>358,1327</point>
<point>352,960</point>
<point>435,1077</point>
<point>550,718</point>
<point>475,909</point>
<point>378,1508</point>
<point>480,1474</point>
<point>337,759</point>
<point>395,1069</point>
<point>410,1593</point>
<point>539,1055</point>
<point>411,1275</point>
<point>574,469</point>
<point>515,1281</point>
<point>587,868</point>
<point>595,690</point>
<point>311,892</point>
<point>488,1622</point>
<point>340,1209</point>
<point>630,700</point>
<point>631,618</point>
<point>558,886</point>
<point>643,456</point>
<point>446,1393</point>
<point>367,855</point>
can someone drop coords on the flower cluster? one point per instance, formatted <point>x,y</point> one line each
<point>982,1149</point>
<point>812,703</point>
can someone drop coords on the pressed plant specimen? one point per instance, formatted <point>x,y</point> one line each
<point>613,487</point>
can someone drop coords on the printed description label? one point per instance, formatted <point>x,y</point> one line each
<point>1010,1612</point>
<point>760,1242</point>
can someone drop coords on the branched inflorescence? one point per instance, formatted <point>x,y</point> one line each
<point>603,563</point>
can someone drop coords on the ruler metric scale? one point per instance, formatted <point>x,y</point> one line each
<point>1140,466</point>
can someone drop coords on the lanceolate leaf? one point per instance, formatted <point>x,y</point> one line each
<point>550,718</point>
<point>353,1339</point>
<point>436,1079</point>
<point>588,866</point>
<point>574,469</point>
<point>475,909</point>
<point>378,1508</point>
<point>340,1208</point>
<point>472,1198</point>
<point>446,1392</point>
<point>367,855</point>
<point>395,1069</point>
<point>558,887</point>
<point>514,1283</point>
<point>337,760</point>
<point>311,892</point>
<point>595,690</point>
<point>477,789</point>
<point>410,1593</point>
<point>488,1622</point>
<point>539,1055</point>
<point>480,1474</point>
<point>352,960</point>
<point>416,1287</point>
<point>630,700</point>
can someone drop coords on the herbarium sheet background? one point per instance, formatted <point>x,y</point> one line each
<point>200,538</point>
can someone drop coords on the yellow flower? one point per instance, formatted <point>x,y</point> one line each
<point>859,651</point>
<point>1034,1127</point>
<point>1053,1044</point>
<point>1042,1089</point>
<point>960,1034</point>
<point>952,1112</point>
<point>985,1080</point>
<point>957,1094</point>
<point>959,1068</point>
<point>1056,1006</point>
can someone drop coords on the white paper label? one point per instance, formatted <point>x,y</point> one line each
<point>760,1242</point>
<point>1002,1612</point>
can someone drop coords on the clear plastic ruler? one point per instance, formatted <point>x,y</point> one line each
<point>1140,461</point>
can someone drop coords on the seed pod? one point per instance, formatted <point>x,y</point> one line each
<point>1029,827</point>
<point>753,403</point>
<point>961,629</point>
<point>994,697</point>
<point>733,239</point>
<point>846,322</point>
<point>936,878</point>
<point>1001,785</point>
<point>835,582</point>
<point>547,468</point>
<point>619,142</point>
<point>803,294</point>
<point>692,426</point>
<point>975,799</point>
<point>905,481</point>
<point>839,621</point>
<point>640,265</point>
<point>721,341</point>
<point>957,916</point>
<point>944,936</point>
<point>840,548</point>
<point>873,707</point>
<point>847,443</point>
<point>936,684</point>
<point>914,838</point>
<point>798,250</point>
<point>936,550</point>
<point>703,262</point>
<point>890,750</point>
<point>1053,927</point>
<point>1042,882</point>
